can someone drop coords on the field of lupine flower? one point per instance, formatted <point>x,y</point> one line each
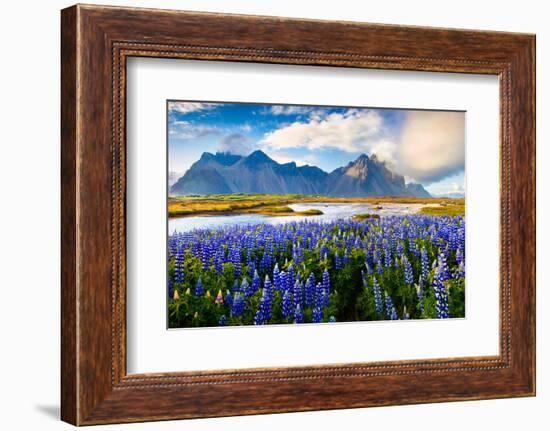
<point>388,268</point>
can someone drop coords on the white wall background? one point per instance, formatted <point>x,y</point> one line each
<point>29,216</point>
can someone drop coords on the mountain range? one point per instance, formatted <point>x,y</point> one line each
<point>224,173</point>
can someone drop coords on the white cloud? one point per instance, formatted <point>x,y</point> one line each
<point>352,131</point>
<point>187,130</point>
<point>236,143</point>
<point>173,176</point>
<point>432,145</point>
<point>289,110</point>
<point>188,107</point>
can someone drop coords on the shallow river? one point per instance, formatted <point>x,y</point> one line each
<point>331,211</point>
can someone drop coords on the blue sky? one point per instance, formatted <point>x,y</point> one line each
<point>425,146</point>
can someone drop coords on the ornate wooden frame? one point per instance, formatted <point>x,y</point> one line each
<point>95,43</point>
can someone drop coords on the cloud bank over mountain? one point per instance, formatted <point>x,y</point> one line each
<point>427,147</point>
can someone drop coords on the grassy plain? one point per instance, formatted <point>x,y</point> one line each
<point>274,204</point>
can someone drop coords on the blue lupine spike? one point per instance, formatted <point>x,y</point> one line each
<point>228,298</point>
<point>246,289</point>
<point>178,267</point>
<point>409,276</point>
<point>290,276</point>
<point>425,265</point>
<point>317,315</point>
<point>390,309</point>
<point>310,289</point>
<point>298,314</point>
<point>256,282</point>
<point>337,261</point>
<point>369,269</point>
<point>440,291</point>
<point>276,278</point>
<point>326,280</point>
<point>420,293</point>
<point>237,308</point>
<point>377,296</point>
<point>287,304</point>
<point>199,289</point>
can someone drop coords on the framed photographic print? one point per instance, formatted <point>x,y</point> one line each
<point>322,214</point>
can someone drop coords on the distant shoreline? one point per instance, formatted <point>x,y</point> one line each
<point>277,205</point>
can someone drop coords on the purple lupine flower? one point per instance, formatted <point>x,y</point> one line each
<point>317,315</point>
<point>440,292</point>
<point>178,268</point>
<point>287,304</point>
<point>387,254</point>
<point>236,260</point>
<point>337,261</point>
<point>252,266</point>
<point>222,320</point>
<point>283,281</point>
<point>298,314</point>
<point>264,310</point>
<point>246,289</point>
<point>409,276</point>
<point>444,273</point>
<point>205,255</point>
<point>425,265</point>
<point>326,281</point>
<point>290,277</point>
<point>258,317</point>
<point>237,309</point>
<point>218,260</point>
<point>400,249</point>
<point>459,256</point>
<point>390,309</point>
<point>276,278</point>
<point>459,271</point>
<point>228,298</point>
<point>256,282</point>
<point>297,292</point>
<point>268,289</point>
<point>369,269</point>
<point>420,293</point>
<point>310,289</point>
<point>323,251</point>
<point>199,289</point>
<point>377,296</point>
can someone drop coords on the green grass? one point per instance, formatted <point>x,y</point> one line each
<point>310,212</point>
<point>444,210</point>
<point>365,216</point>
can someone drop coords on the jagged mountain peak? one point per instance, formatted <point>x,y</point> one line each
<point>258,173</point>
<point>223,158</point>
<point>259,156</point>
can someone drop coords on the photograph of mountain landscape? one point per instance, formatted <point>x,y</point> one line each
<point>299,214</point>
